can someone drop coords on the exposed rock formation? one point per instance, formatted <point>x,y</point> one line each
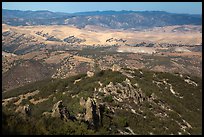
<point>56,109</point>
<point>89,74</point>
<point>24,109</point>
<point>116,68</point>
<point>93,112</point>
<point>59,110</point>
<point>125,91</point>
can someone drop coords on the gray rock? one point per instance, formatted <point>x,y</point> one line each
<point>124,91</point>
<point>90,110</point>
<point>56,109</point>
<point>82,102</point>
<point>59,110</point>
<point>94,113</point>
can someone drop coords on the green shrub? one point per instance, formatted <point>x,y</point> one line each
<point>108,98</point>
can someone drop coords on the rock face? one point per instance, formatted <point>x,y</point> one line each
<point>56,109</point>
<point>59,110</point>
<point>101,111</point>
<point>89,110</point>
<point>94,112</point>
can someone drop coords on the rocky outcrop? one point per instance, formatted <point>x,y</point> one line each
<point>93,112</point>
<point>24,109</point>
<point>90,74</point>
<point>60,111</point>
<point>89,109</point>
<point>116,68</point>
<point>124,91</point>
<point>57,109</point>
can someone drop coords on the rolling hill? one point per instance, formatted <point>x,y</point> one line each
<point>124,102</point>
<point>109,19</point>
<point>101,73</point>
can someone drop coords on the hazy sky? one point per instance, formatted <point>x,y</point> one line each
<point>70,7</point>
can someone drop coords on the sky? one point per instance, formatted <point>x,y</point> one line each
<point>71,7</point>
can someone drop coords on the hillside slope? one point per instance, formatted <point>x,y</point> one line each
<point>109,19</point>
<point>107,102</point>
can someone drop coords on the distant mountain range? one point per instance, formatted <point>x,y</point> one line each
<point>110,19</point>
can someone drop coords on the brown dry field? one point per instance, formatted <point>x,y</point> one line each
<point>96,35</point>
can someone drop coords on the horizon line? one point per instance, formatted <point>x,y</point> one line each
<point>105,11</point>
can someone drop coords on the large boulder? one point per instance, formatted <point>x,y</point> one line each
<point>92,115</point>
<point>56,109</point>
<point>93,112</point>
<point>90,110</point>
<point>59,110</point>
